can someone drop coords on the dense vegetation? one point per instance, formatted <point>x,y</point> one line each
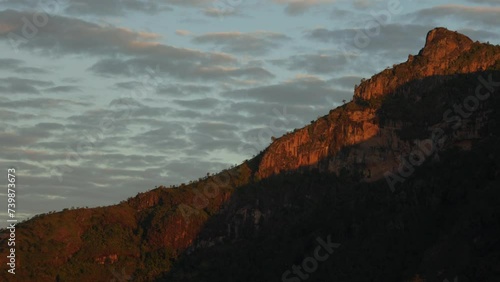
<point>443,222</point>
<point>124,240</point>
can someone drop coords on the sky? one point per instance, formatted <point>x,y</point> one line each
<point>103,99</point>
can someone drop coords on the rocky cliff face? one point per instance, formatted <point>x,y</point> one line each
<point>446,54</point>
<point>318,145</point>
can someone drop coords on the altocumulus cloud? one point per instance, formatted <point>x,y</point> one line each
<point>254,43</point>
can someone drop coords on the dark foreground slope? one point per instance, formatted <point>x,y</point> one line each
<point>346,177</point>
<point>442,223</point>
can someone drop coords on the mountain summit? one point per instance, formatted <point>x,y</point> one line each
<point>442,44</point>
<point>445,53</point>
<point>403,181</point>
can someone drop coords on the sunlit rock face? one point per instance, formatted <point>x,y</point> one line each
<point>446,53</point>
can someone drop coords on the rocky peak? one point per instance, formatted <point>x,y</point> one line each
<point>445,52</point>
<point>443,44</point>
<point>441,35</point>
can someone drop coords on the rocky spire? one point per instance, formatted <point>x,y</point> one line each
<point>445,52</point>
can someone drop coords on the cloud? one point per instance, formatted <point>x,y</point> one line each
<point>118,7</point>
<point>183,32</point>
<point>91,7</point>
<point>325,35</point>
<point>207,146</point>
<point>171,136</point>
<point>15,116</point>
<point>391,34</point>
<point>105,8</point>
<point>216,130</point>
<point>254,43</point>
<point>189,3</point>
<point>129,85</point>
<point>58,37</point>
<point>184,70</point>
<point>220,12</point>
<point>362,4</point>
<point>193,167</point>
<point>297,7</point>
<point>42,103</point>
<point>365,4</point>
<point>489,2</point>
<point>31,70</point>
<point>295,92</point>
<point>199,104</point>
<point>10,139</point>
<point>127,102</point>
<point>183,89</point>
<point>392,43</point>
<point>15,85</point>
<point>313,63</point>
<point>63,35</point>
<point>476,16</point>
<point>481,35</point>
<point>112,67</point>
<point>250,114</point>
<point>213,73</point>
<point>62,89</point>
<point>346,82</point>
<point>17,66</point>
<point>114,7</point>
<point>140,50</point>
<point>50,126</point>
<point>8,63</point>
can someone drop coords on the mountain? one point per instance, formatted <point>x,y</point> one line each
<point>400,184</point>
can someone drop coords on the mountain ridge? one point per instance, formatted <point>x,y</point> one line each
<point>442,45</point>
<point>441,55</point>
<point>355,144</point>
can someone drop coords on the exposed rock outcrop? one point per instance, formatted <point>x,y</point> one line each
<point>445,52</point>
<point>319,145</point>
